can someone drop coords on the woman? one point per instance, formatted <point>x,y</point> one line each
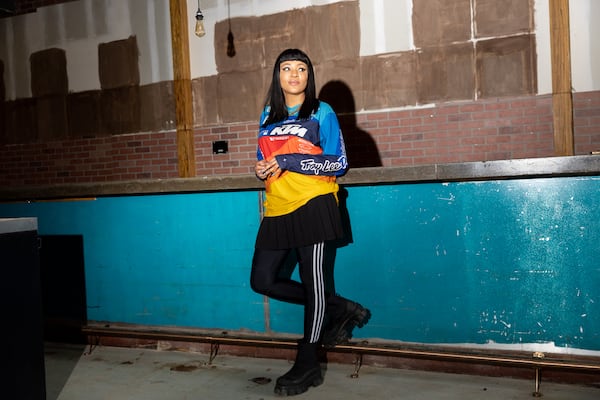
<point>300,153</point>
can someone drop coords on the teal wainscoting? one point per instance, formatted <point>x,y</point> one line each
<point>510,262</point>
<point>507,261</point>
<point>176,260</point>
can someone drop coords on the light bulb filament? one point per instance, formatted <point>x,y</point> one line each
<point>199,31</point>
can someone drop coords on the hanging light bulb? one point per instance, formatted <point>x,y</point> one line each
<point>199,31</point>
<point>230,45</point>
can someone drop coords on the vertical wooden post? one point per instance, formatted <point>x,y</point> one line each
<point>562,97</point>
<point>182,88</point>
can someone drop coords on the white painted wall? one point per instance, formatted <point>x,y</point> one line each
<point>542,38</point>
<point>385,26</point>
<point>585,46</point>
<point>78,27</point>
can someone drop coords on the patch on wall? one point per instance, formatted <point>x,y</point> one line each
<point>49,73</point>
<point>506,66</point>
<point>118,63</point>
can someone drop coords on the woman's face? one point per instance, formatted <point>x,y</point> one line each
<point>293,78</point>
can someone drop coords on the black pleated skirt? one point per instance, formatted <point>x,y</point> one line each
<point>317,221</point>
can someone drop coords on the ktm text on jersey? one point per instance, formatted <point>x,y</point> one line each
<point>311,153</point>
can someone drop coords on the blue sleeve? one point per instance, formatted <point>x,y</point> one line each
<point>333,161</point>
<point>263,116</point>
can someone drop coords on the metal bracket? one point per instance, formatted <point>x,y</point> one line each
<point>94,341</point>
<point>358,360</point>
<point>538,374</point>
<point>214,350</point>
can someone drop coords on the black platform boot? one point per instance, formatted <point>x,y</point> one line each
<point>305,373</point>
<point>343,316</point>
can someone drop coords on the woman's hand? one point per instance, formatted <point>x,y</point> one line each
<point>265,169</point>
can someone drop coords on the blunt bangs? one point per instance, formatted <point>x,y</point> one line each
<point>294,55</point>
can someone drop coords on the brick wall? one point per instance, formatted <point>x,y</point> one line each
<point>586,121</point>
<point>485,130</point>
<point>104,159</point>
<point>507,128</point>
<point>499,129</point>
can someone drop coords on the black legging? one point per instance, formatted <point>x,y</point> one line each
<point>265,280</point>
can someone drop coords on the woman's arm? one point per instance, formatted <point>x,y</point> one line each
<point>332,161</point>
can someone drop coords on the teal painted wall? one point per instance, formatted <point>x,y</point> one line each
<point>512,261</point>
<point>504,261</point>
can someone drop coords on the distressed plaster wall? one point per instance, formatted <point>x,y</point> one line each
<point>467,91</point>
<point>447,64</point>
<point>451,60</point>
<point>121,106</point>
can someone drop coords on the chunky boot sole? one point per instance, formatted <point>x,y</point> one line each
<point>292,387</point>
<point>359,316</point>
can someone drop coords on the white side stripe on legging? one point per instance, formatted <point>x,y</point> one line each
<point>319,292</point>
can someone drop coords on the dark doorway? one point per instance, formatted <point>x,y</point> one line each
<point>63,288</point>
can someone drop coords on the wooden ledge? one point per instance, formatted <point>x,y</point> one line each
<point>453,172</point>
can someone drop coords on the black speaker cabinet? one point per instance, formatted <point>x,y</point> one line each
<point>22,325</point>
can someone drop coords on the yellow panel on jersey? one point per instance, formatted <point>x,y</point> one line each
<point>291,190</point>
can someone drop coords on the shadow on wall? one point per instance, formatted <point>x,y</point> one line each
<point>360,146</point>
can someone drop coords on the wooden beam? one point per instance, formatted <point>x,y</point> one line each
<point>182,88</point>
<point>562,97</point>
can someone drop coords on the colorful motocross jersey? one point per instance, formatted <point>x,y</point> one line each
<point>311,153</point>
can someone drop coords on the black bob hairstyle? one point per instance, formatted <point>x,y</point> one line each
<point>275,98</point>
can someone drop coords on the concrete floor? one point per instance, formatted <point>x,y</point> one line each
<point>117,373</point>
